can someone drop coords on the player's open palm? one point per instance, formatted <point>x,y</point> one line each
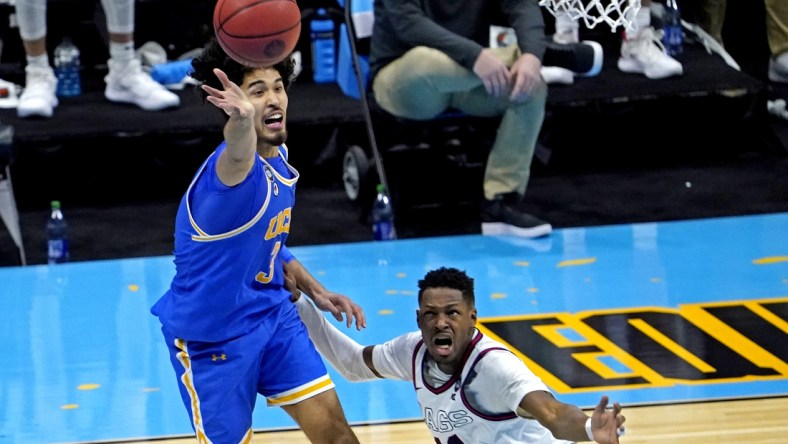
<point>230,99</point>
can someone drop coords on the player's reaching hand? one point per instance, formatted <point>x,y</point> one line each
<point>298,279</point>
<point>339,305</point>
<point>231,99</point>
<point>607,424</point>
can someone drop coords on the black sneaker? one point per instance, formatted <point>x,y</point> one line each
<point>584,58</point>
<point>504,216</point>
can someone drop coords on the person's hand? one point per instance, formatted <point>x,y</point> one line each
<point>231,99</point>
<point>339,305</point>
<point>607,424</point>
<point>493,72</point>
<point>526,76</point>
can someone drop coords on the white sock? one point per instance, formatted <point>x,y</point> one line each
<point>642,20</point>
<point>564,23</point>
<point>40,61</point>
<point>122,52</point>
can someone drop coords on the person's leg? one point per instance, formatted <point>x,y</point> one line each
<point>642,51</point>
<point>38,97</point>
<point>419,85</point>
<point>777,33</point>
<point>508,167</point>
<point>292,375</point>
<point>126,81</point>
<point>218,385</point>
<point>712,17</point>
<point>322,419</point>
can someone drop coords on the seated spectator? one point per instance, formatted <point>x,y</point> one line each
<point>428,56</point>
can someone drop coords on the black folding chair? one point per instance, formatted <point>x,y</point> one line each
<point>428,163</point>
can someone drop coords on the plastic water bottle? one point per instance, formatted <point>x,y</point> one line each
<point>57,236</point>
<point>672,37</point>
<point>324,61</point>
<point>383,216</point>
<point>67,69</point>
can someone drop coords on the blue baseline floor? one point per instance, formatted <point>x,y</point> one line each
<point>84,360</point>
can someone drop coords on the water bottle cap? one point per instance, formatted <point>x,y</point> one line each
<point>55,204</point>
<point>381,188</point>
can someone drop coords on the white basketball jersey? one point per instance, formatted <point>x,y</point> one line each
<point>475,406</point>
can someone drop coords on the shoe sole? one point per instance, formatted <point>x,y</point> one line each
<point>632,67</point>
<point>502,229</point>
<point>596,66</point>
<point>121,98</point>
<point>21,112</point>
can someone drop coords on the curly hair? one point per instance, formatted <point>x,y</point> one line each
<point>213,56</point>
<point>449,278</point>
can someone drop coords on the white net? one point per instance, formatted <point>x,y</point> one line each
<point>593,12</point>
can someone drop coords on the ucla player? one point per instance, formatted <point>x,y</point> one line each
<point>471,388</point>
<point>227,319</point>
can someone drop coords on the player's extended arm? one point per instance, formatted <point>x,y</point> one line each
<point>239,132</point>
<point>349,357</point>
<point>566,421</point>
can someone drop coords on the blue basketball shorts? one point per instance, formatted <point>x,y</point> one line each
<point>219,381</point>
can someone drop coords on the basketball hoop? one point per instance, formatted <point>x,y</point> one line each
<point>593,12</point>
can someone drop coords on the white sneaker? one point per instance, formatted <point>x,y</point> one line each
<point>556,74</point>
<point>646,55</point>
<point>128,83</point>
<point>778,68</point>
<point>38,97</point>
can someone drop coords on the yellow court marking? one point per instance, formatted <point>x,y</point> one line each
<point>385,312</point>
<point>88,386</point>
<point>575,262</point>
<point>134,287</point>
<point>69,406</point>
<point>770,260</point>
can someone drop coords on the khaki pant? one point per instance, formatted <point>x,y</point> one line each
<point>424,82</point>
<point>777,26</point>
<point>776,22</point>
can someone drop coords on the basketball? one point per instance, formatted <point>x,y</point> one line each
<point>257,33</point>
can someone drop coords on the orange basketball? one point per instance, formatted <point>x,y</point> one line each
<point>257,33</point>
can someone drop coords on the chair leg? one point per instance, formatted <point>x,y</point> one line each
<point>9,212</point>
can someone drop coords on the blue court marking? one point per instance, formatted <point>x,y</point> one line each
<point>84,360</point>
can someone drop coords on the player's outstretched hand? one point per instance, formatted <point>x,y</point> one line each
<point>341,306</point>
<point>607,424</point>
<point>230,99</point>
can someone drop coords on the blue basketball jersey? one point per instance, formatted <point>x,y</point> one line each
<point>226,278</point>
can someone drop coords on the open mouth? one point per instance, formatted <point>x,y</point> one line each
<point>274,120</point>
<point>443,345</point>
